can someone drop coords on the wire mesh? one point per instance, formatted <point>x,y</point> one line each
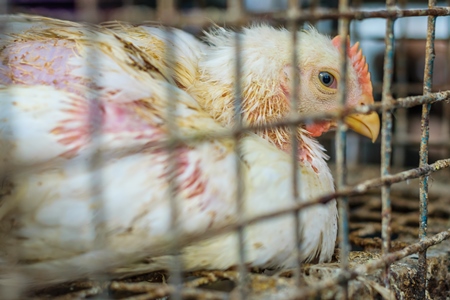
<point>169,15</point>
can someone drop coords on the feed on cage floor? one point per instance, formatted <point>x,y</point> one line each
<point>87,123</point>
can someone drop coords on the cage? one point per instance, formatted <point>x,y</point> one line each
<point>394,212</point>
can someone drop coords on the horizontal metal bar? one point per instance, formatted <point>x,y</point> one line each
<point>357,189</point>
<point>363,270</point>
<point>162,290</point>
<point>196,18</point>
<point>200,19</point>
<point>302,118</point>
<point>319,14</point>
<point>231,134</point>
<point>361,14</point>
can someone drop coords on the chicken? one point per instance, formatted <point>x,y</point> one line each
<point>155,41</point>
<point>266,76</point>
<point>65,215</point>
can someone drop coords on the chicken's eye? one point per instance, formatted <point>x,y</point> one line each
<point>327,79</point>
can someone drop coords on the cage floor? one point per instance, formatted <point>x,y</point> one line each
<point>365,237</point>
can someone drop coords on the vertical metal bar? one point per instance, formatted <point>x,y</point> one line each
<point>236,10</point>
<point>173,165</point>
<point>341,141</point>
<point>356,4</point>
<point>96,162</point>
<point>427,83</point>
<point>386,139</point>
<point>293,12</point>
<point>314,4</point>
<point>173,162</point>
<point>8,290</point>
<point>401,119</point>
<point>166,13</point>
<point>87,11</point>
<point>239,188</point>
<point>236,7</point>
<point>3,8</point>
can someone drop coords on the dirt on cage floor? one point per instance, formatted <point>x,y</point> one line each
<point>365,237</point>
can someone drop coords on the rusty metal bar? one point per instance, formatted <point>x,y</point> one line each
<point>318,14</point>
<point>355,190</point>
<point>371,266</point>
<point>386,140</point>
<point>293,12</point>
<point>427,83</point>
<point>406,102</point>
<point>361,14</point>
<point>388,103</point>
<point>156,290</point>
<point>341,140</point>
<point>302,118</point>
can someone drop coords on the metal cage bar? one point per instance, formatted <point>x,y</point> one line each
<point>427,83</point>
<point>236,7</point>
<point>173,165</point>
<point>293,12</point>
<point>386,138</point>
<point>235,13</point>
<point>341,141</point>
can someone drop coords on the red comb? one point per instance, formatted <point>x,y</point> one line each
<point>358,61</point>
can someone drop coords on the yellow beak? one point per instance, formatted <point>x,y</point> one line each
<point>366,125</point>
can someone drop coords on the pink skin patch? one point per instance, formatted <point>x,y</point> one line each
<point>75,131</point>
<point>304,155</point>
<point>189,175</point>
<point>41,63</point>
<point>47,63</point>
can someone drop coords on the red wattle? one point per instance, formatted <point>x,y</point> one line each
<point>317,128</point>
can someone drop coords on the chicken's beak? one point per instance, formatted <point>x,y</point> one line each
<point>365,124</point>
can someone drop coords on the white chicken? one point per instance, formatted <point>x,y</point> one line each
<point>64,217</point>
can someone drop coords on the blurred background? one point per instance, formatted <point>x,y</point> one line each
<point>409,55</point>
